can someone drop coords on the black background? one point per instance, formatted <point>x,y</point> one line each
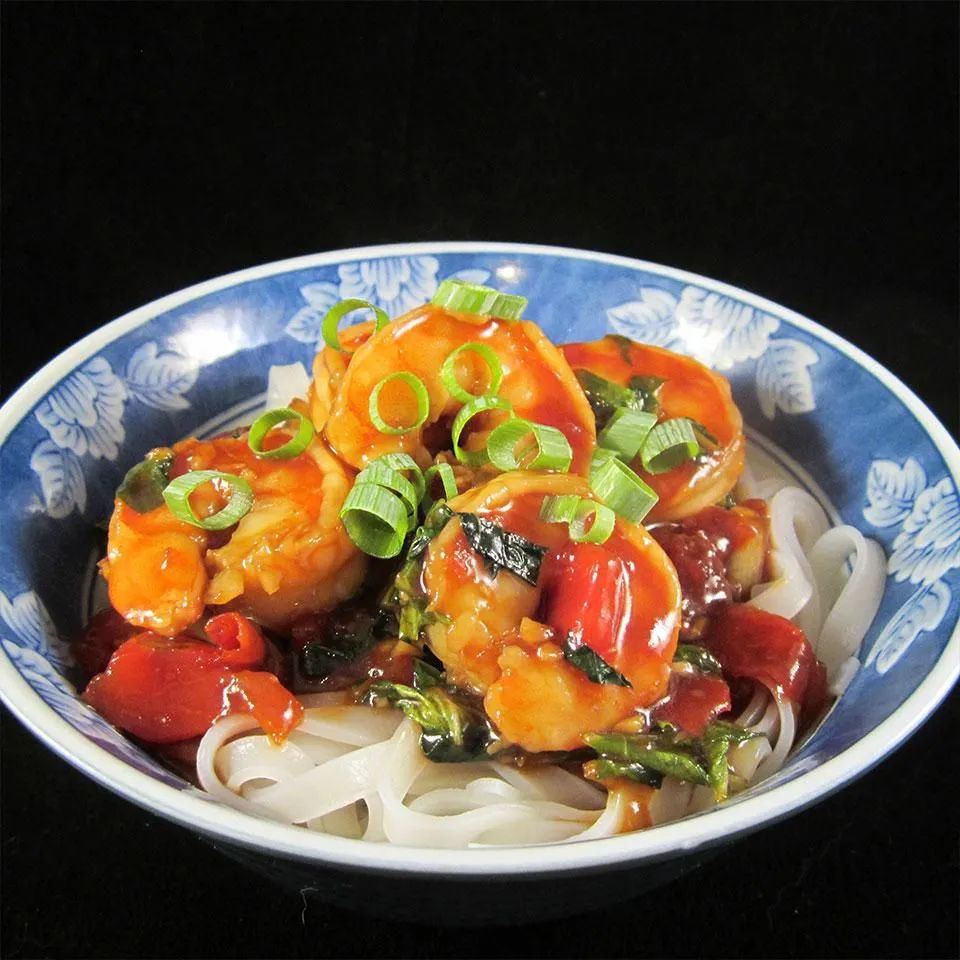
<point>805,152</point>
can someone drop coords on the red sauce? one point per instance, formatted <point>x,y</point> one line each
<point>693,703</point>
<point>700,548</point>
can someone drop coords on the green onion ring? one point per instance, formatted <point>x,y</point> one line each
<point>467,412</point>
<point>420,395</point>
<point>272,418</point>
<point>553,450</point>
<point>177,496</point>
<point>669,444</point>
<point>375,519</point>
<point>449,377</point>
<point>602,527</point>
<point>445,472</point>
<point>626,431</point>
<point>622,490</point>
<point>380,475</point>
<point>559,509</point>
<point>405,465</point>
<point>462,297</point>
<point>338,311</point>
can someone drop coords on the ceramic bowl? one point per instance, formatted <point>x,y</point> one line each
<point>834,421</point>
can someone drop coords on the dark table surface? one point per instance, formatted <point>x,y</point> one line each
<point>805,152</point>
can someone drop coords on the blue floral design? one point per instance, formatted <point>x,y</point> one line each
<point>651,319</point>
<point>924,551</point>
<point>83,416</point>
<point>396,285</point>
<point>722,332</point>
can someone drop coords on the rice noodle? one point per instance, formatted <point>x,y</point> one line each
<point>359,772</point>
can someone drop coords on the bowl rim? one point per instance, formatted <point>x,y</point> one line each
<point>192,809</point>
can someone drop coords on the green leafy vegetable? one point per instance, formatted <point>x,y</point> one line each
<point>701,658</point>
<point>704,434</point>
<point>350,635</point>
<point>425,675</point>
<point>702,760</point>
<point>728,502</point>
<point>605,396</point>
<point>452,730</point>
<point>590,662</point>
<point>647,390</point>
<point>500,548</point>
<point>435,520</point>
<point>604,767</point>
<point>143,484</point>
<point>717,740</point>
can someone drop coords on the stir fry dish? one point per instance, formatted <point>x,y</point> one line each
<point>474,588</point>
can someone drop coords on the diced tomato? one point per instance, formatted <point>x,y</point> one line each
<point>764,647</point>
<point>588,595</point>
<point>159,689</point>
<point>694,702</point>
<point>105,632</point>
<point>240,642</point>
<point>166,690</point>
<point>274,707</point>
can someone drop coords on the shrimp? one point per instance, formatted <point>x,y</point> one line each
<point>536,380</point>
<point>329,367</point>
<point>689,390</point>
<point>288,556</point>
<point>504,638</point>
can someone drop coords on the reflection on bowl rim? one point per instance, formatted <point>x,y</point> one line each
<point>192,809</point>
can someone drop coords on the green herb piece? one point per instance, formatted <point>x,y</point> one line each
<point>604,767</point>
<point>143,484</point>
<point>590,662</point>
<point>728,502</point>
<point>704,434</point>
<point>717,740</point>
<point>605,396</point>
<point>435,520</point>
<point>451,730</point>
<point>701,658</point>
<point>648,389</point>
<point>425,675</point>
<point>654,752</point>
<point>348,637</point>
<point>625,345</point>
<point>500,548</point>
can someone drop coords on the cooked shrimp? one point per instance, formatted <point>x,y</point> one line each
<point>289,555</point>
<point>502,637</point>
<point>689,390</point>
<point>329,367</point>
<point>536,380</point>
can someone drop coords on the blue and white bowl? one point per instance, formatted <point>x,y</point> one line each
<point>835,420</point>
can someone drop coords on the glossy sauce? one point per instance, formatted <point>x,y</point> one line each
<point>690,390</point>
<point>536,381</point>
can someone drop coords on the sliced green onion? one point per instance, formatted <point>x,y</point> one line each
<point>467,412</point>
<point>338,311</point>
<point>445,472</point>
<point>448,373</point>
<point>560,509</point>
<point>177,497</point>
<point>601,528</point>
<point>272,418</point>
<point>622,490</point>
<point>600,458</point>
<point>420,395</point>
<point>669,444</point>
<point>375,519</point>
<point>461,297</point>
<point>626,431</point>
<point>380,475</point>
<point>549,449</point>
<point>404,464</point>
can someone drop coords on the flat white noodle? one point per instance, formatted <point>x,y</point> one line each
<point>797,521</point>
<point>746,757</point>
<point>355,725</point>
<point>786,733</point>
<point>844,675</point>
<point>851,601</point>
<point>671,801</point>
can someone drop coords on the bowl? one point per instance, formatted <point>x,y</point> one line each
<point>824,414</point>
